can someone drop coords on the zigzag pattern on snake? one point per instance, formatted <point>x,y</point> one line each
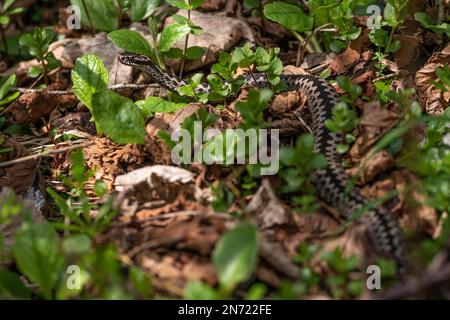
<point>331,183</point>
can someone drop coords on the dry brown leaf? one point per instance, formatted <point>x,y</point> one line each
<point>345,61</point>
<point>419,216</point>
<point>21,176</point>
<point>435,101</point>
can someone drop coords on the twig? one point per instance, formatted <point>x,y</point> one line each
<point>66,92</point>
<point>304,46</point>
<point>43,154</point>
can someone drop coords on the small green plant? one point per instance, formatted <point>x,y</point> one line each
<point>187,53</point>
<point>428,23</point>
<point>393,16</point>
<point>299,163</point>
<point>344,121</point>
<point>80,216</point>
<point>37,44</point>
<point>6,11</point>
<point>164,47</point>
<point>344,281</point>
<point>341,17</point>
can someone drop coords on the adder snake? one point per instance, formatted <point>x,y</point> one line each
<point>331,183</point>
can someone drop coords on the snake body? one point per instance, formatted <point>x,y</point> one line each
<point>331,183</point>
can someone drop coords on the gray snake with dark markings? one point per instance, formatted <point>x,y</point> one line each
<point>331,183</point>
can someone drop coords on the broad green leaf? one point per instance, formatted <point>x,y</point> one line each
<point>171,34</point>
<point>118,117</point>
<point>141,10</point>
<point>158,105</point>
<point>289,16</point>
<point>103,14</point>
<point>88,77</point>
<point>195,52</point>
<point>37,250</point>
<point>132,41</point>
<point>12,287</point>
<point>235,255</point>
<point>174,53</point>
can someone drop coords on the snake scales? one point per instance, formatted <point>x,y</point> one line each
<point>331,183</point>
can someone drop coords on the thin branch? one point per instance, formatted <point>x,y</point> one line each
<point>66,92</point>
<point>43,154</point>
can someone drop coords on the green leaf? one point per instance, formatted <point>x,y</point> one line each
<point>186,4</point>
<point>35,72</point>
<point>289,16</point>
<point>196,290</point>
<point>394,46</point>
<point>427,22</point>
<point>196,3</point>
<point>337,46</point>
<point>118,117</point>
<point>180,4</point>
<point>235,255</point>
<point>52,62</point>
<point>9,98</point>
<point>379,37</point>
<point>195,52</point>
<point>171,34</point>
<point>141,10</point>
<point>38,255</point>
<point>12,287</point>
<point>88,77</point>
<point>141,281</point>
<point>4,20</point>
<point>158,105</point>
<point>256,292</point>
<point>6,84</point>
<point>174,53</point>
<point>100,188</point>
<point>103,14</point>
<point>77,244</point>
<point>132,41</point>
<point>7,4</point>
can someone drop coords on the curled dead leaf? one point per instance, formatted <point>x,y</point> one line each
<point>435,100</point>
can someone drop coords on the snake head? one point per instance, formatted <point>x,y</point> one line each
<point>134,60</point>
